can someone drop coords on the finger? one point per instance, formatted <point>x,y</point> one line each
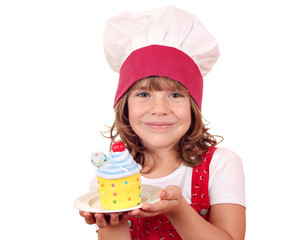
<point>142,213</point>
<point>147,210</point>
<point>114,219</point>
<point>158,207</point>
<point>171,192</point>
<point>134,213</point>
<point>84,214</point>
<point>100,220</point>
<point>89,217</point>
<point>162,194</point>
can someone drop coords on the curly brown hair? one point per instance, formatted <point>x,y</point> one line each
<point>191,146</point>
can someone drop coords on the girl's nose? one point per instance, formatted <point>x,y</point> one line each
<point>159,106</point>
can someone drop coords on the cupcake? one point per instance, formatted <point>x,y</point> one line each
<point>119,178</point>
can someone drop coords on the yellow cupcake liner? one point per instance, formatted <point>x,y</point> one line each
<point>120,193</point>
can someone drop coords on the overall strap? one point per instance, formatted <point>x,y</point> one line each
<point>200,179</point>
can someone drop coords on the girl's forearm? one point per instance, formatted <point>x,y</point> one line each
<point>191,226</point>
<point>120,232</point>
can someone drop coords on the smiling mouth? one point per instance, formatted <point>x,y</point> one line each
<point>159,125</point>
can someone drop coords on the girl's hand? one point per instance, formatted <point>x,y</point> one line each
<point>102,220</point>
<point>171,201</point>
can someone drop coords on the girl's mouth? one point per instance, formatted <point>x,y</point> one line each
<point>159,125</point>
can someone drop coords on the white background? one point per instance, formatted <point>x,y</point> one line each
<point>56,94</point>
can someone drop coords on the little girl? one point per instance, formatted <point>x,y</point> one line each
<point>162,56</point>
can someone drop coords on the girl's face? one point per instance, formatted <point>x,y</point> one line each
<point>159,117</point>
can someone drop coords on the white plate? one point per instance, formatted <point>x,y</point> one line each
<point>89,202</point>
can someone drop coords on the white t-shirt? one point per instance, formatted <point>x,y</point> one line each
<point>226,179</point>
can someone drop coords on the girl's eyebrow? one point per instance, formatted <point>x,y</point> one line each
<point>139,89</point>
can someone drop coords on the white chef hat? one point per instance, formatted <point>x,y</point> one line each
<point>166,42</point>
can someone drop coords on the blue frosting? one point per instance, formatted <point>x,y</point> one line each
<point>118,165</point>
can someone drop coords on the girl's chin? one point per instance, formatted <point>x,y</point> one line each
<point>157,144</point>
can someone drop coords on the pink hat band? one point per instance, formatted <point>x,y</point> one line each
<point>163,61</point>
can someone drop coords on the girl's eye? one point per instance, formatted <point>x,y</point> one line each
<point>142,94</point>
<point>175,95</point>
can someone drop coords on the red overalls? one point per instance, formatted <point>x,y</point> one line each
<point>159,227</point>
